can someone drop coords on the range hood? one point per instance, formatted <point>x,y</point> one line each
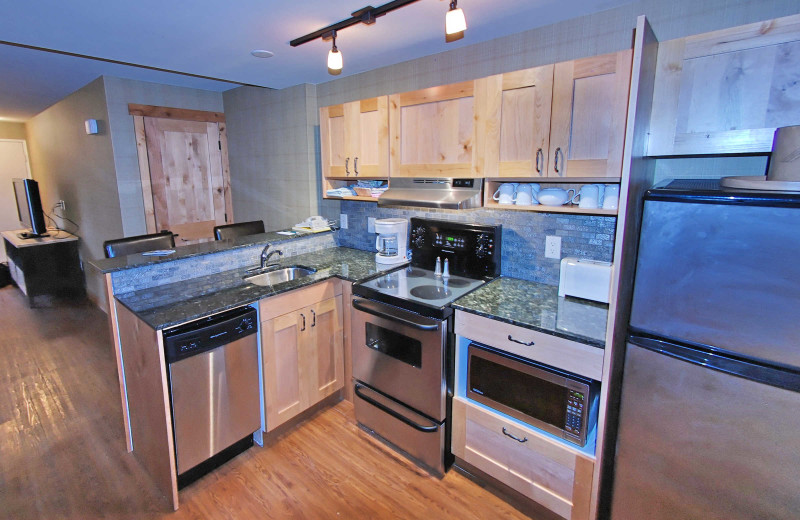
<point>442,193</point>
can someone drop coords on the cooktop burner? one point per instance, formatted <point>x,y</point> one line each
<point>420,285</point>
<point>431,292</point>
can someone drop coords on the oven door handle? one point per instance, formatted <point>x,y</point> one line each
<point>393,413</point>
<point>389,314</point>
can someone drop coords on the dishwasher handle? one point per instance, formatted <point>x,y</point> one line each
<point>198,336</point>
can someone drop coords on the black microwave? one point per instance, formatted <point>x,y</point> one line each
<point>552,400</point>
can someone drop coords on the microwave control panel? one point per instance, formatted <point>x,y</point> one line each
<point>574,420</point>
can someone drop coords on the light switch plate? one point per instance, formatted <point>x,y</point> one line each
<point>370,224</point>
<point>343,220</point>
<point>552,247</point>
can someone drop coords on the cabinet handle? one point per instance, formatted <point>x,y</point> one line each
<point>304,322</point>
<point>525,439</point>
<point>347,164</point>
<point>528,344</point>
<point>313,318</point>
<point>558,152</point>
<point>539,160</point>
<point>355,165</point>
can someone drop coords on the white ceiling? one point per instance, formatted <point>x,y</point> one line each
<point>213,39</point>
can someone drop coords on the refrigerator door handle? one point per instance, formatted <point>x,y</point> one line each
<point>787,379</point>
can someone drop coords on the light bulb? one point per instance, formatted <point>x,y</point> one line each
<point>454,21</point>
<point>334,61</point>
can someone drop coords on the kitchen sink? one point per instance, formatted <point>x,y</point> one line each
<point>278,275</point>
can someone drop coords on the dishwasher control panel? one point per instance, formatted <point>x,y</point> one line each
<point>205,334</point>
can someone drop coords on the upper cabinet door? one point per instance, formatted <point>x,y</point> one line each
<point>518,137</point>
<point>355,139</point>
<point>590,104</point>
<point>726,91</point>
<point>432,131</point>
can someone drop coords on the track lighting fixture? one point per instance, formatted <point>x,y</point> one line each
<point>454,23</point>
<point>334,57</point>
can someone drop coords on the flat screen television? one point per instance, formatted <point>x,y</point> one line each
<point>29,208</point>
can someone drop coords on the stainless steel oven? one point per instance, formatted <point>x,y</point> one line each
<point>399,363</point>
<point>403,342</point>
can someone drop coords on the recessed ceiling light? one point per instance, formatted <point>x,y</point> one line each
<point>262,54</point>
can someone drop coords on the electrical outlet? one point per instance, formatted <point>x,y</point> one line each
<point>552,247</point>
<point>61,204</point>
<point>370,224</point>
<point>343,220</point>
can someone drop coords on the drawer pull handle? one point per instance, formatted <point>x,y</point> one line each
<point>528,344</point>
<point>525,439</point>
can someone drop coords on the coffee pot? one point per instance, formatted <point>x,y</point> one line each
<point>392,240</point>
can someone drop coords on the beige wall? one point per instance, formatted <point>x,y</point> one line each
<point>78,168</point>
<point>119,92</point>
<point>271,136</point>
<point>12,130</point>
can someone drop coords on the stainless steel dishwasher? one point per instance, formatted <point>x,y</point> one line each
<point>214,389</point>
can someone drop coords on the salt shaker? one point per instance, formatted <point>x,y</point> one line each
<point>446,272</point>
<point>438,270</point>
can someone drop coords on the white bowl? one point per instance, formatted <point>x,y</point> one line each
<point>552,197</point>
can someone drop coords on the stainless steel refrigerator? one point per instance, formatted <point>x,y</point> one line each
<point>709,424</point>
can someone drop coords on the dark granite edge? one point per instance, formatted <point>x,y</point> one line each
<point>110,265</point>
<point>592,342</point>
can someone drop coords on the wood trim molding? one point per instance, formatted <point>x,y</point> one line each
<point>183,114</point>
<point>144,173</point>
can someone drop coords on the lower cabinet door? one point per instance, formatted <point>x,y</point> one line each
<point>544,470</point>
<point>326,349</point>
<point>284,394</point>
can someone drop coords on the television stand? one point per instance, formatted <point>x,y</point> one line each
<point>24,235</point>
<point>45,266</point>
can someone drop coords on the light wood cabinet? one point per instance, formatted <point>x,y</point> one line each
<point>438,131</point>
<point>551,350</point>
<point>546,471</point>
<point>301,339</point>
<point>726,91</point>
<point>589,111</point>
<point>354,142</point>
<point>518,142</point>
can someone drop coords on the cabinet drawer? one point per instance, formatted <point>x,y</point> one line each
<point>551,350</point>
<point>275,306</point>
<point>544,470</point>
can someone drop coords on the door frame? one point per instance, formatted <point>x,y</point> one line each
<point>139,112</point>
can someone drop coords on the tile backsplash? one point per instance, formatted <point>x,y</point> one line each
<point>584,236</point>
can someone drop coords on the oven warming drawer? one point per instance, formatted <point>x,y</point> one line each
<point>408,431</point>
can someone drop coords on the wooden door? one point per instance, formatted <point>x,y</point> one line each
<point>726,91</point>
<point>355,139</point>
<point>326,367</point>
<point>589,111</point>
<point>184,169</point>
<point>433,132</point>
<point>518,144</point>
<point>282,341</point>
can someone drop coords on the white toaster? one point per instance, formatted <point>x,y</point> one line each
<point>582,278</point>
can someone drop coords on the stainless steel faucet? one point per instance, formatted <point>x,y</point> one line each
<point>265,256</point>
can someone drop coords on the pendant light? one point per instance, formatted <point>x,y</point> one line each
<point>334,58</point>
<point>454,23</point>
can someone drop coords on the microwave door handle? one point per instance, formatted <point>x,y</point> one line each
<point>398,416</point>
<point>387,313</point>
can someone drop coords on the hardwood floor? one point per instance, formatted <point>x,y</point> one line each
<point>62,452</point>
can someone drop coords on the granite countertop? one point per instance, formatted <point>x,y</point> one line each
<point>108,265</point>
<point>168,305</point>
<point>538,307</point>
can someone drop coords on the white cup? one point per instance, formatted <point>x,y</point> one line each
<point>525,195</point>
<point>601,193</point>
<point>587,197</point>
<point>611,199</point>
<point>554,196</point>
<point>505,193</point>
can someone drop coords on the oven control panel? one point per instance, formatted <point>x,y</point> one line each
<point>473,250</point>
